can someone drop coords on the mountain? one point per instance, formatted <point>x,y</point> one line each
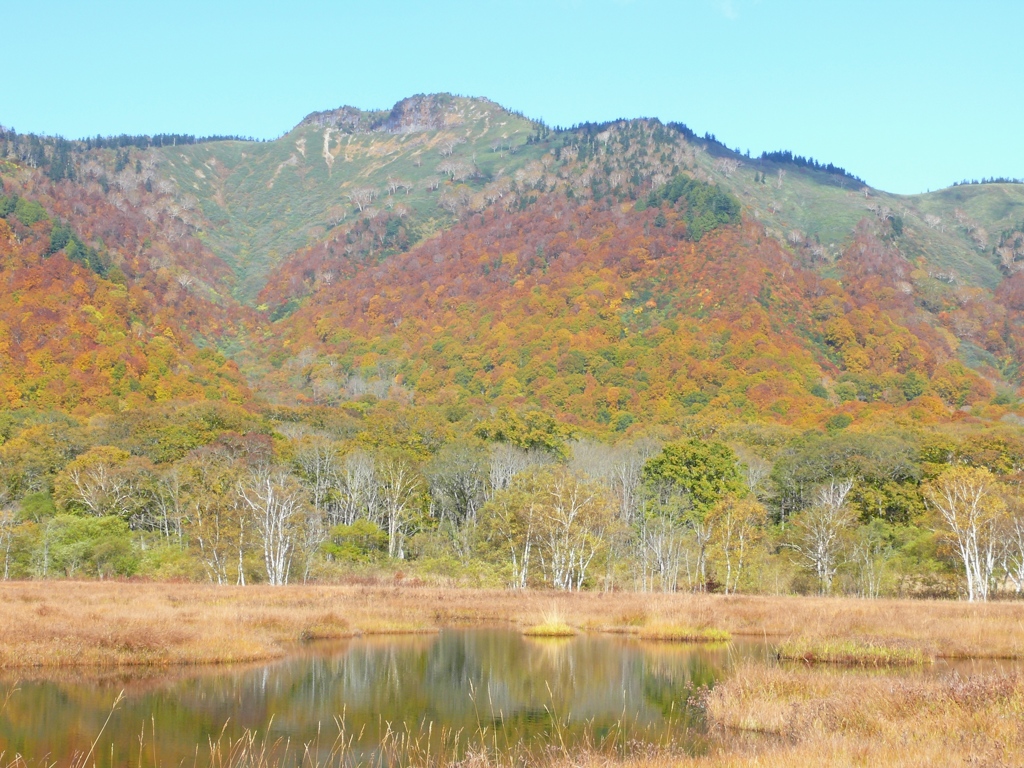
<point>450,253</point>
<point>263,201</point>
<point>392,336</point>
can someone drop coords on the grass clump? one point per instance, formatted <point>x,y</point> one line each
<point>553,625</point>
<point>550,628</point>
<point>682,634</point>
<point>392,627</point>
<point>857,653</point>
<point>327,626</point>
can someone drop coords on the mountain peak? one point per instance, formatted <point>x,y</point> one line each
<point>422,112</point>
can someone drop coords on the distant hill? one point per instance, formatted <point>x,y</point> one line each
<point>86,329</point>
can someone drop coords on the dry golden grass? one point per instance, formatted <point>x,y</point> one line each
<point>66,624</point>
<point>103,623</point>
<point>832,717</point>
<point>550,629</point>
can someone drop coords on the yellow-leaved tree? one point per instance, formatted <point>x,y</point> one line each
<point>969,504</point>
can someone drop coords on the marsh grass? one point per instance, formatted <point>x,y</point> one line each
<point>682,634</point>
<point>553,625</point>
<point>830,716</point>
<point>851,652</point>
<point>71,624</point>
<point>550,629</point>
<point>488,744</point>
<point>764,715</point>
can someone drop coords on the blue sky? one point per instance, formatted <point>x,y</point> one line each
<point>908,94</point>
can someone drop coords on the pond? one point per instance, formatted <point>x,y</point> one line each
<point>376,700</point>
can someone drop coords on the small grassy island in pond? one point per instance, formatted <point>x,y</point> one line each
<point>856,653</point>
<point>682,634</point>
<point>550,628</point>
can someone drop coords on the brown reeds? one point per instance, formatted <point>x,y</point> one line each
<point>827,716</point>
<point>64,624</point>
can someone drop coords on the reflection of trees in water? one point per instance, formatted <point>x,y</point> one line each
<point>668,687</point>
<point>518,687</point>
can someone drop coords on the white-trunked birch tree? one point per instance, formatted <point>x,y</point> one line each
<point>457,479</point>
<point>508,523</point>
<point>553,519</point>
<point>575,523</point>
<point>357,493</point>
<point>969,505</point>
<point>317,462</point>
<point>213,517</point>
<point>737,526</point>
<point>278,508</point>
<point>1012,554</point>
<point>821,530</point>
<point>400,490</point>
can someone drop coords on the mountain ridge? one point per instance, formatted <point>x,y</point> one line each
<point>255,231</point>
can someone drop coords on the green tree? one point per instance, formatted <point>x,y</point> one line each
<point>682,484</point>
<point>360,542</point>
<point>886,467</point>
<point>705,471</point>
<point>531,429</point>
<point>28,212</point>
<point>100,547</point>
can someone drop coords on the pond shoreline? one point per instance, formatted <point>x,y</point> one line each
<point>124,624</point>
<point>819,714</point>
<point>458,690</point>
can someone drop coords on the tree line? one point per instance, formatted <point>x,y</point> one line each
<point>787,157</point>
<point>216,493</point>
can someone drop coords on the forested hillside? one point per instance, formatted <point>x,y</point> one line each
<point>85,329</point>
<point>613,317</point>
<point>448,338</point>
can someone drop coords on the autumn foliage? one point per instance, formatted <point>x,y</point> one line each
<point>610,315</point>
<point>71,338</point>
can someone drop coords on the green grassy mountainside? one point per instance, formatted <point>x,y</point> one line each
<point>265,200</point>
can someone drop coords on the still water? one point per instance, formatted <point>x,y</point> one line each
<point>374,700</point>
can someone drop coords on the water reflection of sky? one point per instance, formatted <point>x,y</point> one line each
<point>472,682</point>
